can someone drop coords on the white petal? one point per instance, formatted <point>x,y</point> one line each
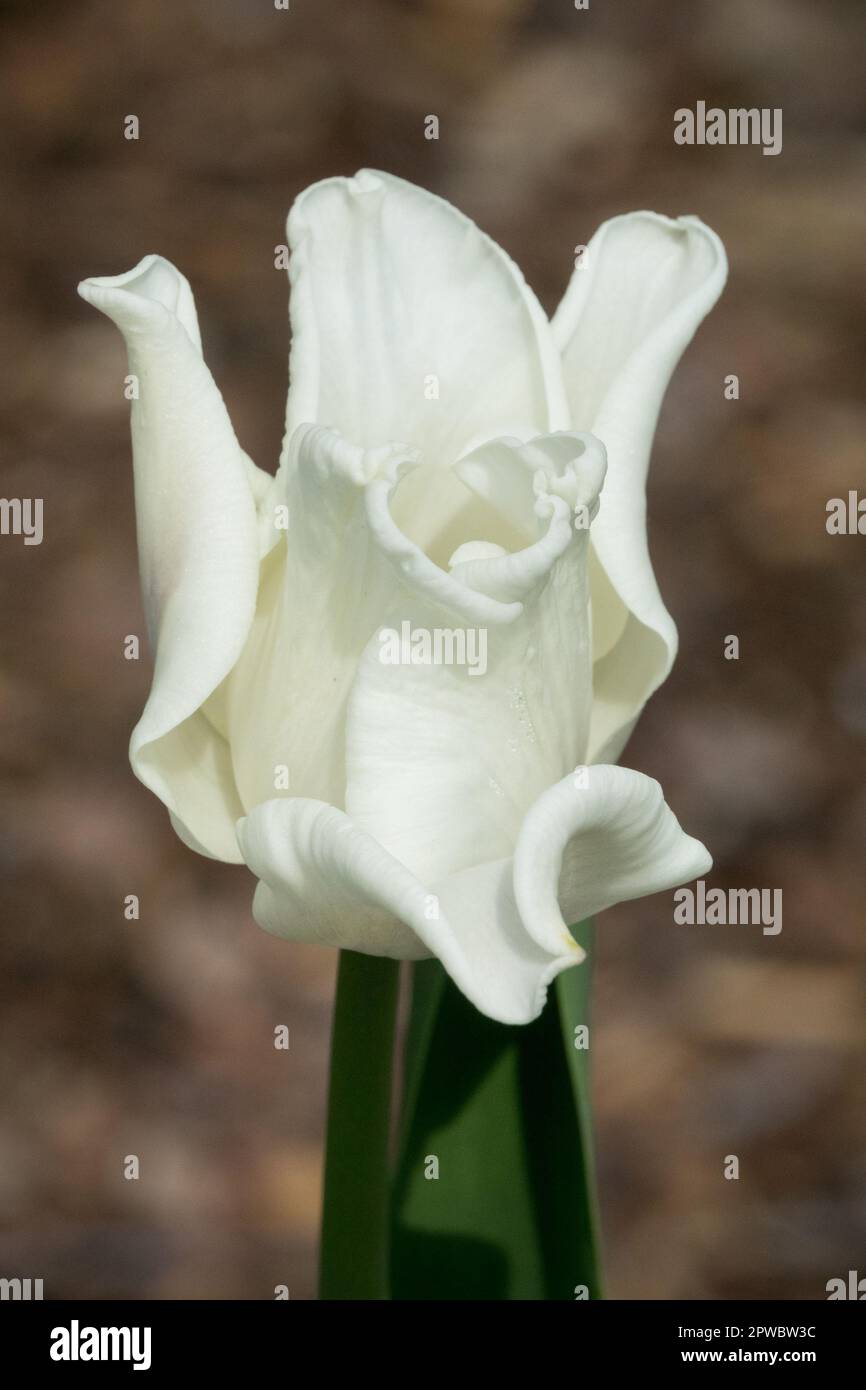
<point>197,547</point>
<point>341,571</point>
<point>413,567</point>
<point>323,880</point>
<point>497,927</point>
<point>486,949</point>
<point>445,752</point>
<point>324,589</point>
<point>601,836</point>
<point>409,323</point>
<point>622,327</point>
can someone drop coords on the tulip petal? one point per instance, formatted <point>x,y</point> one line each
<point>323,880</point>
<point>409,323</point>
<point>198,549</point>
<point>342,567</point>
<point>601,836</point>
<point>470,700</point>
<point>626,318</point>
<point>499,928</point>
<point>324,588</point>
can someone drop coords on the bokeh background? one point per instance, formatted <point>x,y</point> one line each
<point>155,1037</point>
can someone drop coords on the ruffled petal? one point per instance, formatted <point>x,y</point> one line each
<point>499,928</point>
<point>601,836</point>
<point>474,694</point>
<point>409,323</point>
<point>197,543</point>
<point>344,571</point>
<point>322,880</point>
<point>627,316</point>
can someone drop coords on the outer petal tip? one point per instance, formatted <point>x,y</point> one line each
<point>148,295</point>
<point>600,836</point>
<point>198,551</point>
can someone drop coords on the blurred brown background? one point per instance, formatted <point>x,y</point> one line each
<point>156,1037</point>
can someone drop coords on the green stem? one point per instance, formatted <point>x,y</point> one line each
<point>354,1251</point>
<point>574,993</point>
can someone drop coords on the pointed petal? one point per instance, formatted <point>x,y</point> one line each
<point>622,327</point>
<point>197,547</point>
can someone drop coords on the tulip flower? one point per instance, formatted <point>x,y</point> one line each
<point>395,678</point>
<point>453,463</point>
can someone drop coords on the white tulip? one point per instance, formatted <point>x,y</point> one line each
<point>426,812</point>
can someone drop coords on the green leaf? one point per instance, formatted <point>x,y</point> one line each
<point>503,1115</point>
